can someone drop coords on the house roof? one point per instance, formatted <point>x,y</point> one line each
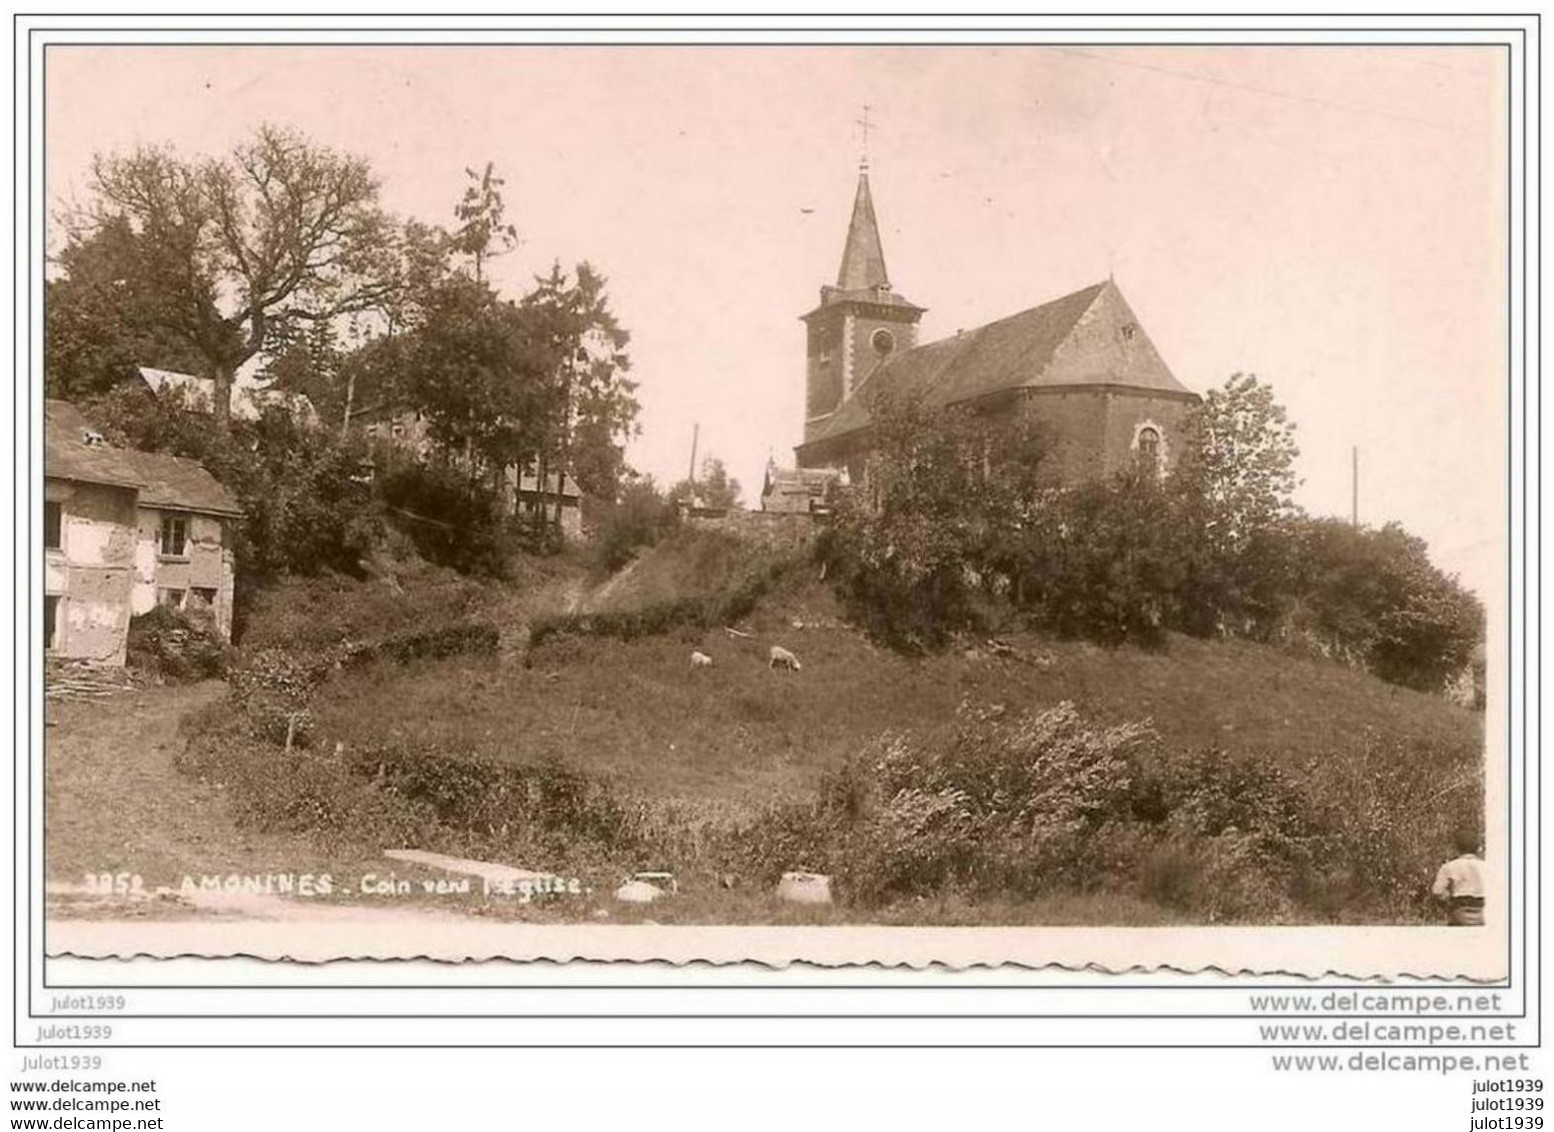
<point>68,455</point>
<point>249,397</point>
<point>1089,337</point>
<point>176,482</point>
<point>159,479</point>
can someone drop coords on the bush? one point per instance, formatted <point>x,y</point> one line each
<point>1025,806</point>
<point>958,526</point>
<point>1103,562</point>
<point>1003,808</point>
<point>947,493</point>
<point>1375,596</point>
<point>420,796</point>
<point>469,639</point>
<point>640,517</point>
<point>452,520</point>
<point>177,646</point>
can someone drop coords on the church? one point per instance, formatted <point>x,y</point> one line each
<point>1081,364</point>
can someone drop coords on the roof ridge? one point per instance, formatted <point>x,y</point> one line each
<point>976,330</point>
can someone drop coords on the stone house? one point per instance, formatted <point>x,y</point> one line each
<point>124,531</point>
<point>1080,364</point>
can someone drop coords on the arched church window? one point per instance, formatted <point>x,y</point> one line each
<point>883,341</point>
<point>1149,446</point>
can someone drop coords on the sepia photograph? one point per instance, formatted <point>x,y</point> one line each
<point>970,504</point>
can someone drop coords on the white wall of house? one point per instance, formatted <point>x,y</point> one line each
<point>204,571</point>
<point>86,579</point>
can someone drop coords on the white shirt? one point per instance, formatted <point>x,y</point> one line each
<point>1461,876</point>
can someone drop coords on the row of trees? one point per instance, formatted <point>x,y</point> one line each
<point>960,523</point>
<point>281,251</point>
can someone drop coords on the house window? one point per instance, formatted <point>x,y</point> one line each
<point>204,596</point>
<point>53,525</point>
<point>171,598</point>
<point>175,536</point>
<point>51,623</point>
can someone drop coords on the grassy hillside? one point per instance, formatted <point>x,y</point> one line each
<point>1332,752</point>
<point>692,563</point>
<point>740,732</point>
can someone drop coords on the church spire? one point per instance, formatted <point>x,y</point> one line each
<point>859,323</point>
<point>863,259</point>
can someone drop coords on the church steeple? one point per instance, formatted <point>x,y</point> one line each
<point>863,257</point>
<point>860,322</point>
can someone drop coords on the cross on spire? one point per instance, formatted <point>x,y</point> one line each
<point>864,126</point>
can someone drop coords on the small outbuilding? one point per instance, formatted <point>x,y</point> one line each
<point>799,491</point>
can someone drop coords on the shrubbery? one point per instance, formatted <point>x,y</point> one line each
<point>452,521</point>
<point>1018,807</point>
<point>406,794</point>
<point>639,517</point>
<point>177,646</point>
<point>958,528</point>
<point>725,608</point>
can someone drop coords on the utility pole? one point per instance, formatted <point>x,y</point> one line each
<point>1354,487</point>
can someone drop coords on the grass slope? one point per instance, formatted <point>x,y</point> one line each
<point>739,735</point>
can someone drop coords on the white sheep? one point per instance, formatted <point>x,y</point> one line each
<point>700,660</point>
<point>780,657</point>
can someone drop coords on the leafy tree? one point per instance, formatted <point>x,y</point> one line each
<point>1374,597</point>
<point>591,409</point>
<point>638,517</point>
<point>1238,461</point>
<point>715,488</point>
<point>1106,560</point>
<point>311,361</point>
<point>945,502</point>
<point>482,233</point>
<point>103,313</point>
<point>471,369</point>
<point>1233,486</point>
<point>280,231</point>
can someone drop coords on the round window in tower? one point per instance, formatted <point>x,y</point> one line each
<point>883,341</point>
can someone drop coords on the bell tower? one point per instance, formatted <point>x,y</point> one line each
<point>860,321</point>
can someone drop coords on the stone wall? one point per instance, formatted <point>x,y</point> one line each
<point>770,530</point>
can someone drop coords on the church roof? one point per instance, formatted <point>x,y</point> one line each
<point>1089,337</point>
<point>863,258</point>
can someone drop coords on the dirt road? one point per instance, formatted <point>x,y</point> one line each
<point>113,801</point>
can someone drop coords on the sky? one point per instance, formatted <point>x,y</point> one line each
<point>1332,219</point>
